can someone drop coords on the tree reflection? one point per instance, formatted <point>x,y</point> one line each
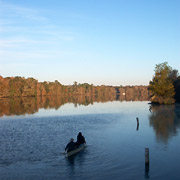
<point>31,105</point>
<point>165,120</point>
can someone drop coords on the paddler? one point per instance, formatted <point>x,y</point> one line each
<point>80,139</point>
<point>70,146</point>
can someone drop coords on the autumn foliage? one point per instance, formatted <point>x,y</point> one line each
<point>30,87</point>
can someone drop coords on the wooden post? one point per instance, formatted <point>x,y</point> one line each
<point>147,156</point>
<point>137,120</point>
<point>137,123</point>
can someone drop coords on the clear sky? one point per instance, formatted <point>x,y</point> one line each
<point>111,42</point>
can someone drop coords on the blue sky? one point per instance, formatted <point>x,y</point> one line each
<point>111,42</point>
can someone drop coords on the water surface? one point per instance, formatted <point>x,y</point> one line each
<point>32,145</point>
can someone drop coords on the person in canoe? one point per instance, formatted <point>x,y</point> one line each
<point>71,145</point>
<point>80,139</point>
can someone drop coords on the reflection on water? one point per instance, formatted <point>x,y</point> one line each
<point>32,147</point>
<point>31,105</point>
<point>165,119</point>
<point>146,174</point>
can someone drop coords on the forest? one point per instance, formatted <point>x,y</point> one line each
<point>163,89</point>
<point>30,87</point>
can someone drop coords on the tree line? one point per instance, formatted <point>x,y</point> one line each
<point>164,88</point>
<point>30,87</point>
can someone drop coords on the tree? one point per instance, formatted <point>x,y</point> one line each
<point>161,86</point>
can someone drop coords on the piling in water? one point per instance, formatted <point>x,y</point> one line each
<point>147,156</point>
<point>137,128</point>
<point>137,120</point>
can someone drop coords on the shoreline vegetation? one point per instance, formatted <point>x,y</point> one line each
<point>165,85</point>
<point>29,87</point>
<point>163,89</point>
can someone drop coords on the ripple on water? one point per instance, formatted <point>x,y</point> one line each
<point>31,148</point>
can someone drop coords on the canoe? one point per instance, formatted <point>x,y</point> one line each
<point>80,148</point>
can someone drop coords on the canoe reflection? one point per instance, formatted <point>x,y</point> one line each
<point>77,158</point>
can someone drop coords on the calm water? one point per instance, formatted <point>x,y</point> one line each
<point>32,145</point>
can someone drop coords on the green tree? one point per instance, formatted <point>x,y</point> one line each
<point>161,86</point>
